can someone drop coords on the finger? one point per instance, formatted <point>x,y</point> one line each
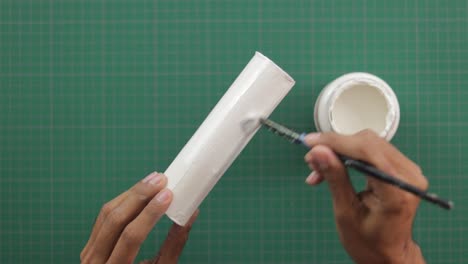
<point>330,167</point>
<point>115,221</point>
<point>403,169</point>
<point>314,178</point>
<point>136,232</point>
<point>410,172</point>
<point>175,242</point>
<point>308,160</point>
<point>105,210</point>
<point>368,146</point>
<point>365,145</point>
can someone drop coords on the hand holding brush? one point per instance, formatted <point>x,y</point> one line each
<point>374,225</point>
<point>361,148</point>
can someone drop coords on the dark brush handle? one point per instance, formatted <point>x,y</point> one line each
<point>372,171</point>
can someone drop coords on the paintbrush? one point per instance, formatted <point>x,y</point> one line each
<point>362,166</point>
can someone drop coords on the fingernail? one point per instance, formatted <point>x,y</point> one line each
<point>163,196</point>
<point>319,164</point>
<point>311,139</point>
<point>311,178</point>
<point>156,180</point>
<point>308,157</point>
<point>150,177</point>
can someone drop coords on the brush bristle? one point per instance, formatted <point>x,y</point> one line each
<point>280,130</point>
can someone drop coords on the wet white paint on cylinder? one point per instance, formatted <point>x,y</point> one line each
<point>255,93</point>
<point>358,101</point>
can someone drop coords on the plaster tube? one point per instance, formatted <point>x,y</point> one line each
<point>255,93</point>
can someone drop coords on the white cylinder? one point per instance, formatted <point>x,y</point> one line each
<point>255,93</point>
<point>357,101</point>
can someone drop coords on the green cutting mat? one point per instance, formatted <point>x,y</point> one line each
<point>94,95</point>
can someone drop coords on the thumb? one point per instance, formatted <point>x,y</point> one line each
<point>326,163</point>
<point>175,242</point>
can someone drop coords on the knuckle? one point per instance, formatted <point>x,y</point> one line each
<point>403,214</point>
<point>141,193</point>
<point>365,150</point>
<point>106,209</point>
<point>403,205</point>
<point>131,236</point>
<point>370,147</point>
<point>85,258</point>
<point>406,199</point>
<point>308,157</point>
<point>370,138</point>
<point>116,218</point>
<point>367,134</point>
<point>82,256</point>
<point>386,166</point>
<point>329,137</point>
<point>403,208</point>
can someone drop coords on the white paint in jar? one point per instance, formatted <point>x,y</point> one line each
<point>357,101</point>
